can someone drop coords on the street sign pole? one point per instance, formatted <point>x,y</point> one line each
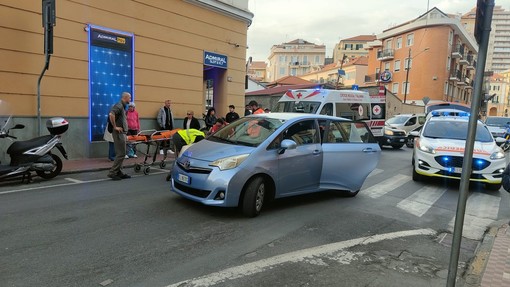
<point>488,6</point>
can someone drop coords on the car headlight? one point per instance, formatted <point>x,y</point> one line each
<point>388,132</point>
<point>229,162</point>
<point>425,148</point>
<point>498,155</point>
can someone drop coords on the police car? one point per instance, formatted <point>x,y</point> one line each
<point>439,150</point>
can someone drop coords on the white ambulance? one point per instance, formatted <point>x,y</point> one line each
<point>350,104</point>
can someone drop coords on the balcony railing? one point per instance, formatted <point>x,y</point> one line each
<point>458,51</point>
<point>386,54</point>
<point>471,65</point>
<point>456,75</point>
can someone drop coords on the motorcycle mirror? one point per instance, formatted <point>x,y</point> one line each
<point>18,127</point>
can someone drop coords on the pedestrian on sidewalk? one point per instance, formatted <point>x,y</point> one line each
<point>210,118</point>
<point>118,121</point>
<point>247,110</point>
<point>255,108</point>
<point>109,139</point>
<point>133,122</point>
<point>190,122</point>
<point>232,115</point>
<point>165,117</point>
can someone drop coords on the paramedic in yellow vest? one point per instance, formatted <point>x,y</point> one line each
<point>186,137</point>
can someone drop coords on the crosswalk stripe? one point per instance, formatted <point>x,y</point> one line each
<point>386,186</point>
<point>375,172</point>
<point>481,211</point>
<point>422,200</point>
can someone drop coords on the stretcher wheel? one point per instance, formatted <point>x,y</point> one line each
<point>147,170</point>
<point>168,177</point>
<point>137,168</point>
<point>162,164</point>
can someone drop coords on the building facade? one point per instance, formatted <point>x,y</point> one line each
<point>294,58</point>
<point>353,47</point>
<point>498,88</point>
<point>157,50</point>
<point>257,71</point>
<point>354,73</point>
<point>498,56</point>
<point>431,57</point>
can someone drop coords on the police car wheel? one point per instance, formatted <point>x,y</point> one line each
<point>493,187</point>
<point>348,193</point>
<point>416,176</point>
<point>397,146</point>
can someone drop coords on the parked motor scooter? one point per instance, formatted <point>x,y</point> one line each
<point>35,154</point>
<point>506,145</point>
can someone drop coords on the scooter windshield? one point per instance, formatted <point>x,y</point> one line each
<point>5,115</point>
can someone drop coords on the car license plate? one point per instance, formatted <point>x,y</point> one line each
<point>184,178</point>
<point>457,170</point>
<point>402,140</point>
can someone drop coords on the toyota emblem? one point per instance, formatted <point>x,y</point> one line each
<point>186,165</point>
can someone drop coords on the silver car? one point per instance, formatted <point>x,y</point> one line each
<point>276,155</point>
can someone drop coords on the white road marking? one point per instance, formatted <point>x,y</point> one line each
<point>422,200</point>
<point>296,256</point>
<point>481,211</point>
<point>392,183</point>
<point>73,182</point>
<point>375,172</point>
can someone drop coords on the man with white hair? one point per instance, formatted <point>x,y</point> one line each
<point>118,121</point>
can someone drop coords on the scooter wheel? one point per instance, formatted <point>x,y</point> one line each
<point>162,164</point>
<point>146,170</point>
<point>57,163</point>
<point>137,168</point>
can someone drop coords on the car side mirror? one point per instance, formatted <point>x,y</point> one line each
<point>287,144</point>
<point>500,140</point>
<point>414,134</point>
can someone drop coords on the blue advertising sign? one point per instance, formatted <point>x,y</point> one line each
<point>215,60</point>
<point>111,72</point>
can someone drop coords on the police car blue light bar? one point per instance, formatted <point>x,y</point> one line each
<point>450,114</point>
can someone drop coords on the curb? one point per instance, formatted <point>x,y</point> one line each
<point>476,268</point>
<point>96,169</point>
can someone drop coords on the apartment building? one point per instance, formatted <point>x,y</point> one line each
<point>354,73</point>
<point>498,56</point>
<point>498,86</point>
<point>294,58</point>
<point>257,71</point>
<point>353,47</point>
<point>432,56</point>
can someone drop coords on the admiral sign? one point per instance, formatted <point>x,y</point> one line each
<point>215,60</point>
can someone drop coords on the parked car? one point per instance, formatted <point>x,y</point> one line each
<point>412,135</point>
<point>407,122</point>
<point>266,156</point>
<point>497,126</point>
<point>396,138</point>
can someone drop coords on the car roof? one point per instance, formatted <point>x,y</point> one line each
<point>292,116</point>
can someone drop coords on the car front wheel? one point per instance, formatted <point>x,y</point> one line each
<point>416,176</point>
<point>493,187</point>
<point>253,199</point>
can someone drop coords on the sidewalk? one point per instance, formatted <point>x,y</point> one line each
<point>497,271</point>
<point>98,164</point>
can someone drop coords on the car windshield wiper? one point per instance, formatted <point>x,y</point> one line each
<point>224,140</point>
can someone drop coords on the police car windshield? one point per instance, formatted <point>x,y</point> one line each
<point>398,120</point>
<point>249,131</point>
<point>298,107</point>
<point>497,122</point>
<point>456,130</point>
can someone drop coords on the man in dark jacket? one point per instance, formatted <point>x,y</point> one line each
<point>118,120</point>
<point>190,122</point>
<point>506,179</point>
<point>232,115</point>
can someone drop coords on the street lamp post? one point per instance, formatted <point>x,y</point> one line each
<point>409,68</point>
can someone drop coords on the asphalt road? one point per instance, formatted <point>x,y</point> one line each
<point>85,230</point>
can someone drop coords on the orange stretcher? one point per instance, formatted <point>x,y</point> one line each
<point>160,140</point>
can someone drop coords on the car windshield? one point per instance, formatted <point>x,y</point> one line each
<point>397,120</point>
<point>249,131</point>
<point>497,122</point>
<point>297,107</point>
<point>455,130</point>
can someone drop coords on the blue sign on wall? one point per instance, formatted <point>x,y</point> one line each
<point>215,60</point>
<point>111,58</point>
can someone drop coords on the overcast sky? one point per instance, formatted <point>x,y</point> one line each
<point>328,21</point>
